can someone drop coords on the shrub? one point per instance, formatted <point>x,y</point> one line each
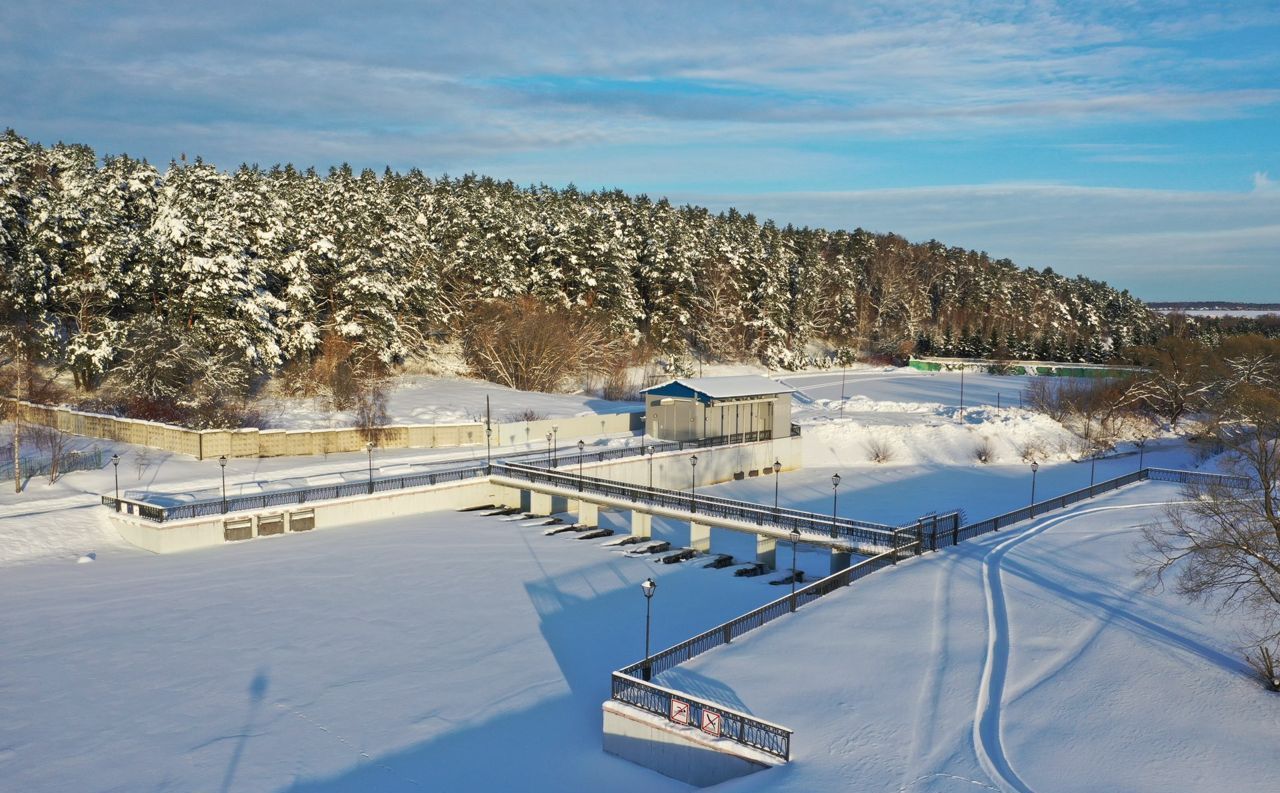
<point>878,450</point>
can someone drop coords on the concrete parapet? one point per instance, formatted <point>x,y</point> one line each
<point>680,752</point>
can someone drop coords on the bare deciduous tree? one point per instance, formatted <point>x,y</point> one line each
<point>527,345</point>
<point>1222,545</point>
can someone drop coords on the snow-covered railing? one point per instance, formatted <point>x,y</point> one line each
<point>632,685</point>
<point>1058,502</point>
<point>301,495</point>
<point>1197,478</point>
<point>682,708</point>
<point>874,535</point>
<point>553,459</point>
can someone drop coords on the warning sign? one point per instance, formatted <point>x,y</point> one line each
<point>679,711</point>
<point>711,723</point>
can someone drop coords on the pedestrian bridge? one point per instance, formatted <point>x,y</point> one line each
<point>546,491</point>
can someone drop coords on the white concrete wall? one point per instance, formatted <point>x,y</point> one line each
<point>672,471</point>
<point>680,752</point>
<point>187,535</point>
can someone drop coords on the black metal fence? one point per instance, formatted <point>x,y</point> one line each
<point>215,506</point>
<point>861,533</point>
<point>68,461</point>
<point>711,718</point>
<point>629,683</point>
<point>972,530</point>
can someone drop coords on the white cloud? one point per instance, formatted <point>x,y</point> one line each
<point>1217,243</point>
<point>1262,182</point>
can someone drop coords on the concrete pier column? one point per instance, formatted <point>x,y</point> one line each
<point>641,524</point>
<point>840,560</point>
<point>700,537</point>
<point>539,503</point>
<point>767,551</point>
<point>588,513</point>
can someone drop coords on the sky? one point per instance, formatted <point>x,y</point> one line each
<point>1134,142</point>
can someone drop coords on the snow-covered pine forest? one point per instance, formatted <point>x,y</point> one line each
<point>115,268</point>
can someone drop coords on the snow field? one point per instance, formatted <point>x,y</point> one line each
<point>1026,660</point>
<point>449,651</point>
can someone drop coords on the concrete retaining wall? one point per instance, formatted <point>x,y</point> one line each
<point>186,535</point>
<point>677,751</point>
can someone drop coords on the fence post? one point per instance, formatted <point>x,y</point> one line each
<point>728,633</point>
<point>893,555</point>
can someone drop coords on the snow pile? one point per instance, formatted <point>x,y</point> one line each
<point>940,436</point>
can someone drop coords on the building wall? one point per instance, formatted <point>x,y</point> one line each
<point>689,419</point>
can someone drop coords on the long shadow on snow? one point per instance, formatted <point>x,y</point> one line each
<point>1116,609</point>
<point>589,636</point>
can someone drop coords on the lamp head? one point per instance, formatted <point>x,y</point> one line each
<point>222,461</point>
<point>581,445</point>
<point>835,480</point>
<point>693,460</point>
<point>777,466</point>
<point>115,459</point>
<point>649,587</point>
<point>1035,466</point>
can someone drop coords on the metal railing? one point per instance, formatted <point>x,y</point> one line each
<point>862,533</point>
<point>972,530</point>
<point>700,713</point>
<point>573,459</point>
<point>218,506</point>
<point>630,683</point>
<point>357,487</point>
<point>68,461</point>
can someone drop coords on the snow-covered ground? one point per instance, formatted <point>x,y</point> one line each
<point>447,651</point>
<point>1025,660</point>
<point>409,654</point>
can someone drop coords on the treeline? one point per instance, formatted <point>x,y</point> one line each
<point>191,283</point>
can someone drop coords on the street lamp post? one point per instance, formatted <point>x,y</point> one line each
<point>1142,448</point>
<point>488,432</point>
<point>693,483</point>
<point>649,451</point>
<point>648,587</point>
<point>777,472</point>
<point>795,544</point>
<point>962,392</point>
<point>1093,467</point>
<point>548,450</point>
<point>369,448</point>
<point>115,465</point>
<point>555,444</point>
<point>835,492</point>
<point>1034,467</point>
<point>581,445</point>
<point>843,370</point>
<point>222,461</point>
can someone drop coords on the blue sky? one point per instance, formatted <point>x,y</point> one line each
<point>1134,142</point>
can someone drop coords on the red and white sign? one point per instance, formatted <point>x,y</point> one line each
<point>711,723</point>
<point>679,711</point>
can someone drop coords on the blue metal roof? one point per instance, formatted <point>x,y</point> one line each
<point>706,389</point>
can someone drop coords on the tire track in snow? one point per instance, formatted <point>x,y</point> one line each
<point>988,739</point>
